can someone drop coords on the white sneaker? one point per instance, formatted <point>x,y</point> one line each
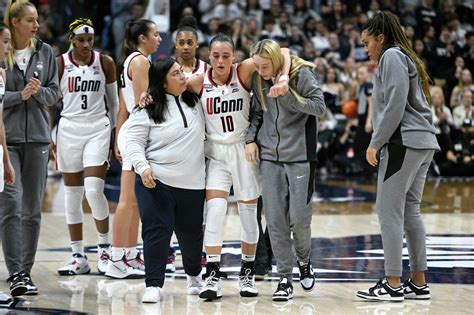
<point>194,285</point>
<point>122,270</point>
<point>151,295</point>
<point>76,265</point>
<point>103,257</point>
<point>247,283</point>
<point>212,287</point>
<point>137,262</point>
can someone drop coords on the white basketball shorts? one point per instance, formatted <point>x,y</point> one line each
<point>226,166</point>
<point>82,144</point>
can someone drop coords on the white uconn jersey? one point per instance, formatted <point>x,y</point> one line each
<point>226,108</point>
<point>83,88</point>
<point>201,68</point>
<point>2,89</point>
<point>126,82</point>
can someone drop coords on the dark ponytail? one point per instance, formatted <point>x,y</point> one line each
<point>133,30</point>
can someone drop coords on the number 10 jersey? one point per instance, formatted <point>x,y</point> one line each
<point>226,108</point>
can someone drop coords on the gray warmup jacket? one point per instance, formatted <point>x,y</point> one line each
<point>28,121</point>
<point>287,131</point>
<point>401,113</point>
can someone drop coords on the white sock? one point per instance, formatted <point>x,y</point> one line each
<point>117,253</point>
<point>104,238</point>
<point>77,247</point>
<point>246,257</point>
<point>131,252</point>
<point>213,258</point>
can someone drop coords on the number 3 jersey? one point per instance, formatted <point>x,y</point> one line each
<point>226,108</point>
<point>83,88</point>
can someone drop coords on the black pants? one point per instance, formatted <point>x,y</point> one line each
<point>163,209</point>
<point>264,254</point>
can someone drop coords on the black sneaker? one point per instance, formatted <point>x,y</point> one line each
<point>307,279</point>
<point>382,291</point>
<point>212,288</point>
<point>414,292</point>
<point>32,289</point>
<point>17,284</point>
<point>284,291</point>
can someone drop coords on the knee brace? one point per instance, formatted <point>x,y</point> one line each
<point>73,204</point>
<point>216,210</point>
<point>94,187</point>
<point>248,219</point>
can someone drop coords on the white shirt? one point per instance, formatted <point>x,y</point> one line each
<point>174,149</point>
<point>22,58</point>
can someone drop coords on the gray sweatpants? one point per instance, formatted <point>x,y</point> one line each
<point>287,192</point>
<point>401,179</point>
<point>20,205</point>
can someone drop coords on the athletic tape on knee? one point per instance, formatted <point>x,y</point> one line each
<point>94,187</point>
<point>73,204</point>
<point>248,219</point>
<point>216,210</point>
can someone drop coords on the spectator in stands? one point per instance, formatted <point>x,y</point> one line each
<point>334,92</point>
<point>444,52</point>
<point>465,82</point>
<point>463,111</point>
<point>301,12</point>
<point>460,156</point>
<point>468,51</point>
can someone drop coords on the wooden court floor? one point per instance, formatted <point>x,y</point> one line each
<point>346,254</point>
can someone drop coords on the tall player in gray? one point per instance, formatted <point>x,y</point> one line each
<point>404,138</point>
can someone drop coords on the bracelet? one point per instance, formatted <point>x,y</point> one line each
<point>283,78</point>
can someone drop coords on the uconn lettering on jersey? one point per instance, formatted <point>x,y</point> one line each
<point>214,105</point>
<point>75,84</point>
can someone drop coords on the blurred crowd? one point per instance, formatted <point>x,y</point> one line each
<point>327,33</point>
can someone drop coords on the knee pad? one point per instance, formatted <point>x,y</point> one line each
<point>73,204</point>
<point>216,210</point>
<point>94,187</point>
<point>248,219</point>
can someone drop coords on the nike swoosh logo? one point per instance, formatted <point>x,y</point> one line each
<point>298,177</point>
<point>106,125</point>
<point>381,292</point>
<point>208,91</point>
<point>44,151</point>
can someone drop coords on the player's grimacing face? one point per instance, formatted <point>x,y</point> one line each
<point>263,66</point>
<point>221,56</point>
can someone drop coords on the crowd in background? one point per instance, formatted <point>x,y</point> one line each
<point>327,33</point>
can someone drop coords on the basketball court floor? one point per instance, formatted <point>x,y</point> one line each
<point>346,254</point>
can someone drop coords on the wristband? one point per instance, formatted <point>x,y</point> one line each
<point>283,77</point>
